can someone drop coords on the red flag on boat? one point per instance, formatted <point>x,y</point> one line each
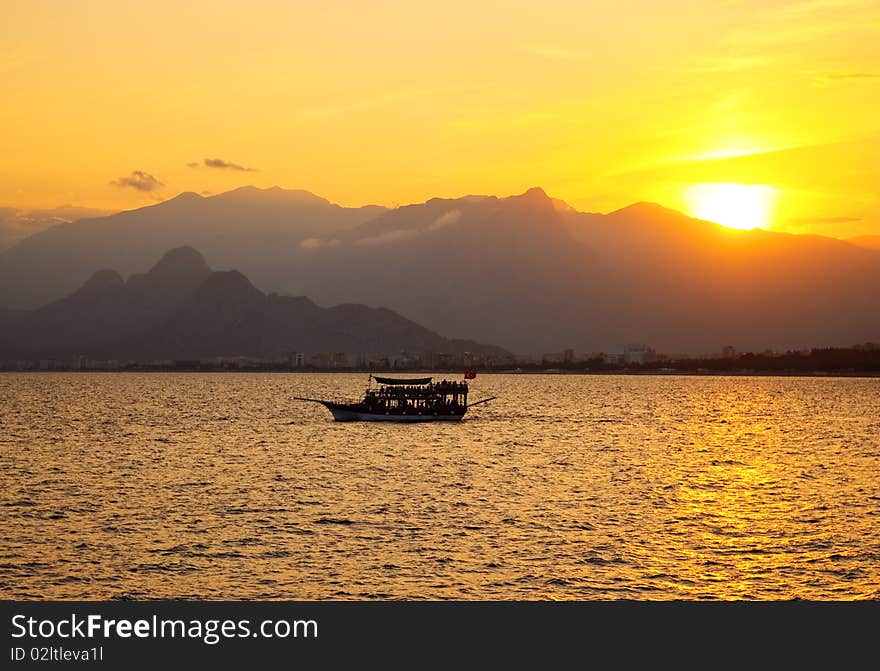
<point>469,375</point>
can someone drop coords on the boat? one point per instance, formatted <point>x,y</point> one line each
<point>405,400</point>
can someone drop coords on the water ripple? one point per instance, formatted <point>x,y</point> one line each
<point>218,486</point>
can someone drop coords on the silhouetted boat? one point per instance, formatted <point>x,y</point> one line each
<point>404,400</point>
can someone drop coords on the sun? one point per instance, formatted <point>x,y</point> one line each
<point>743,206</point>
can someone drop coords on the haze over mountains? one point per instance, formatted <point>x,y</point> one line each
<point>866,241</point>
<point>525,272</point>
<point>17,224</point>
<point>248,228</point>
<point>181,309</point>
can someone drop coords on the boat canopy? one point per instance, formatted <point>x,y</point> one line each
<point>395,380</point>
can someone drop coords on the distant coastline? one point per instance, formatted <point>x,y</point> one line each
<point>856,361</point>
<point>325,371</point>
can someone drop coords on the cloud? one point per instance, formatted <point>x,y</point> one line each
<point>827,78</point>
<point>787,23</point>
<point>18,224</point>
<point>310,244</point>
<point>140,180</point>
<point>220,164</point>
<point>444,220</point>
<point>398,235</point>
<point>387,238</point>
<point>556,53</point>
<point>730,64</point>
<point>824,220</point>
<point>385,98</point>
<point>852,75</point>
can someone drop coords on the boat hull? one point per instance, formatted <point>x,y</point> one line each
<point>346,413</point>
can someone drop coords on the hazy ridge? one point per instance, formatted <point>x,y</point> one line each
<point>526,272</point>
<point>181,309</point>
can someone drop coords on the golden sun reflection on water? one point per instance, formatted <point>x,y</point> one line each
<point>745,519</point>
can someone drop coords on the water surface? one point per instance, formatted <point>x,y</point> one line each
<point>219,486</point>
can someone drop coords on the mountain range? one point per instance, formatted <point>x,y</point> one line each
<point>182,309</point>
<point>248,228</point>
<point>526,272</point>
<point>866,241</point>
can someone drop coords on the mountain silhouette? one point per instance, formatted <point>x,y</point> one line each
<point>170,282</point>
<point>249,228</point>
<point>527,271</point>
<point>181,308</point>
<point>506,267</point>
<point>534,277</point>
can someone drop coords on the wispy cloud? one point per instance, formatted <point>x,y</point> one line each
<point>310,244</point>
<point>824,78</point>
<point>824,220</point>
<point>387,238</point>
<point>21,56</point>
<point>18,224</point>
<point>775,24</point>
<point>140,180</point>
<point>855,75</point>
<point>220,164</point>
<point>851,75</point>
<point>444,220</point>
<point>730,64</point>
<point>399,235</point>
<point>555,53</point>
<point>388,98</point>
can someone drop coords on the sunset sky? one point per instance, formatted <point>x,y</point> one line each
<point>117,104</point>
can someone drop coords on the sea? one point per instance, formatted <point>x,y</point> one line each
<point>566,487</point>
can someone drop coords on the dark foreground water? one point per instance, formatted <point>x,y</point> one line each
<point>219,486</point>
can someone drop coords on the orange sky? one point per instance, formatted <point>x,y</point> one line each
<point>601,103</point>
